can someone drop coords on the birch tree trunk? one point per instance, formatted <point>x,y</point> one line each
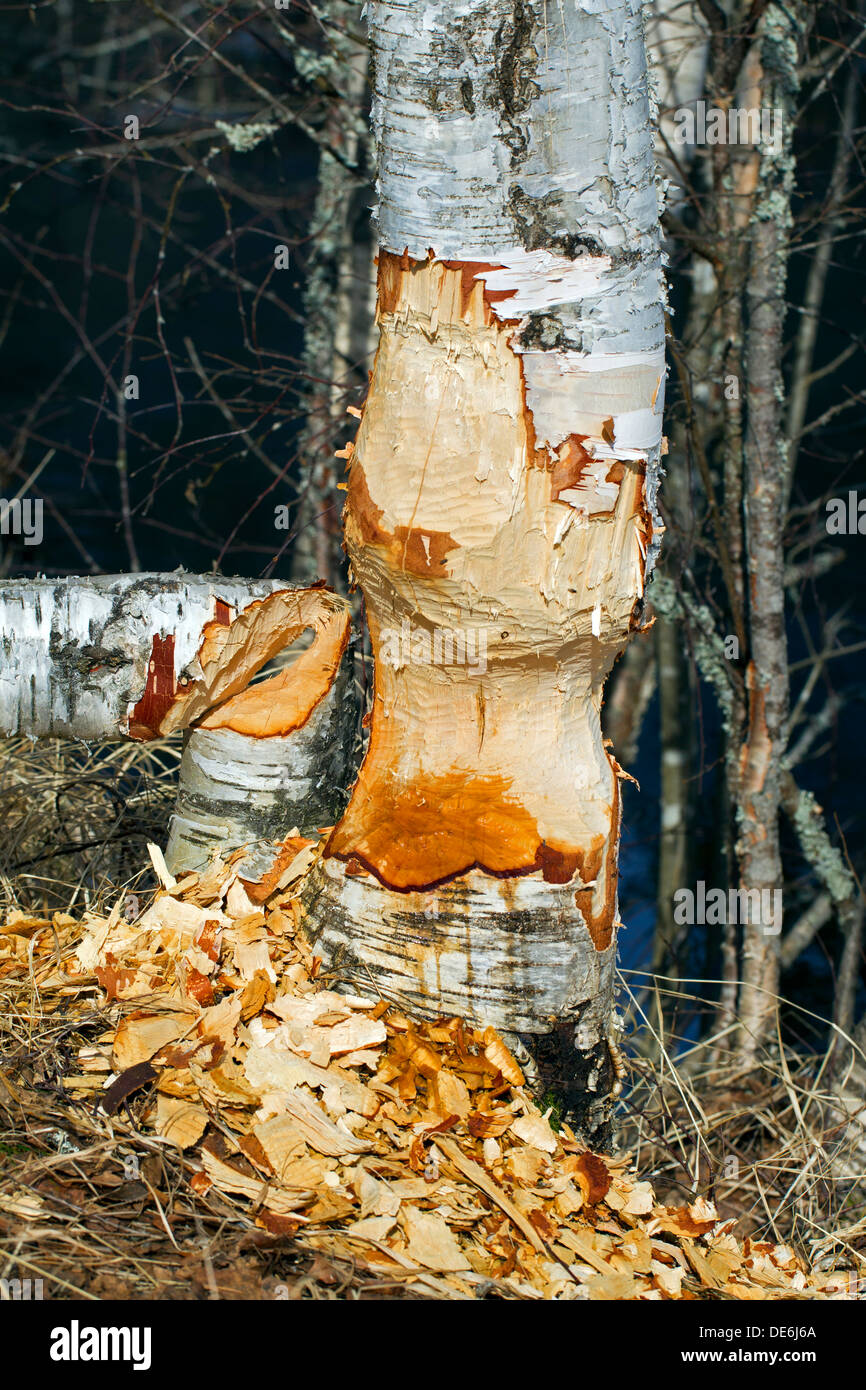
<point>501,519</point>
<point>144,655</point>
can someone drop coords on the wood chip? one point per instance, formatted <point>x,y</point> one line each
<point>320,1133</point>
<point>476,1174</point>
<point>140,1037</point>
<point>535,1131</point>
<point>431,1242</point>
<point>229,1179</point>
<point>157,859</point>
<point>180,1122</point>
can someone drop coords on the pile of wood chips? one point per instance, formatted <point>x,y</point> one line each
<point>412,1148</point>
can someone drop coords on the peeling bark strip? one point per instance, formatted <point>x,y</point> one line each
<point>502,485</point>
<point>140,656</point>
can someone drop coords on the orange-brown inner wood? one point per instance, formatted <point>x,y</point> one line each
<point>284,702</point>
<point>232,652</point>
<point>160,691</point>
<point>419,835</point>
<point>410,548</point>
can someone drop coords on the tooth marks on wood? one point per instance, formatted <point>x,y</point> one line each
<point>123,656</point>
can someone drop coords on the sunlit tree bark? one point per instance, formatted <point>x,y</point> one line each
<point>501,518</point>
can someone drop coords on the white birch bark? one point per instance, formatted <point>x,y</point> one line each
<point>502,488</point>
<point>142,655</point>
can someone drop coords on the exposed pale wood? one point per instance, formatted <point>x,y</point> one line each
<point>501,492</point>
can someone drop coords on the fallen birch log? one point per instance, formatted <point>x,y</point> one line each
<point>140,656</point>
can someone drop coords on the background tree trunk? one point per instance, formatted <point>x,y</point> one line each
<point>501,520</point>
<point>339,298</point>
<point>765,497</point>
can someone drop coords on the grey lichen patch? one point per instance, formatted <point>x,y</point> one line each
<point>819,850</point>
<point>243,138</point>
<point>708,646</point>
<point>547,332</point>
<point>87,660</point>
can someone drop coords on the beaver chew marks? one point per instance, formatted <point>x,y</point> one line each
<point>529,560</point>
<point>230,654</point>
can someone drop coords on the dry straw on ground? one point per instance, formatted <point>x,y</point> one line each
<point>188,1110</point>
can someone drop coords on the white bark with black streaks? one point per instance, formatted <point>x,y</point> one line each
<point>519,134</point>
<point>142,655</point>
<point>234,788</point>
<point>502,487</point>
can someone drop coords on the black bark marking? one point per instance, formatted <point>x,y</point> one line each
<point>545,331</point>
<point>539,224</point>
<point>578,1084</point>
<point>516,60</point>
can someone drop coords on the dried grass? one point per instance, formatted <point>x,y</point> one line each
<point>771,1145</point>
<point>75,818</point>
<point>101,1205</point>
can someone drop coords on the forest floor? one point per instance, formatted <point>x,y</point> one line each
<point>188,1112</point>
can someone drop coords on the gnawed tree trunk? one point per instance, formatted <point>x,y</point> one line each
<point>142,656</point>
<point>500,520</point>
